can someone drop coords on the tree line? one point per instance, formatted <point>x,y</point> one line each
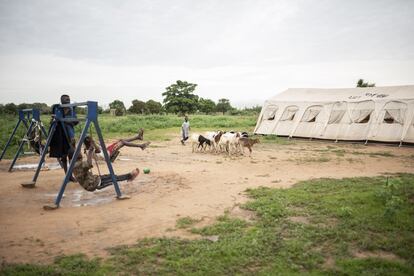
<point>178,98</point>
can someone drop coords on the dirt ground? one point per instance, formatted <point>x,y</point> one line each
<point>181,183</point>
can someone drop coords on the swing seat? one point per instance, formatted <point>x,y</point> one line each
<point>50,207</point>
<point>29,185</point>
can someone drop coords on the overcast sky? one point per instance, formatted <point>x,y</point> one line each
<point>245,51</point>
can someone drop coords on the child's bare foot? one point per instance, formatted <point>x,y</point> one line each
<point>134,174</point>
<point>145,145</point>
<point>140,134</point>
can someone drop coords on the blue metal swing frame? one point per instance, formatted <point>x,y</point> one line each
<point>29,118</point>
<point>91,118</point>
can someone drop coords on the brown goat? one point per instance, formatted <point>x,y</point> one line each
<point>248,143</point>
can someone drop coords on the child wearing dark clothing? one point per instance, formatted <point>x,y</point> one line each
<point>89,181</point>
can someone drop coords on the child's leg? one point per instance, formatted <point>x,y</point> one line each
<point>139,136</point>
<point>106,180</point>
<point>129,144</point>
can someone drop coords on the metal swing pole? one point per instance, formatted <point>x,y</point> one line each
<point>21,119</point>
<point>36,117</point>
<point>10,139</point>
<point>71,165</point>
<point>32,183</point>
<point>108,161</point>
<point>22,142</point>
<point>93,116</point>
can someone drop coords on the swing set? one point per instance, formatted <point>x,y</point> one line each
<point>30,118</point>
<point>60,117</point>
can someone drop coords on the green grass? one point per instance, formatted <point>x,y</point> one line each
<point>186,222</point>
<point>374,154</point>
<point>274,139</point>
<point>342,217</point>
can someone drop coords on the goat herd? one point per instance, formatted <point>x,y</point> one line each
<point>223,142</point>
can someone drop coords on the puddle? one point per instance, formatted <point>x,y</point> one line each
<point>49,166</point>
<point>79,197</point>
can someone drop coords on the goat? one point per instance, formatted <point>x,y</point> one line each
<point>214,138</point>
<point>203,142</point>
<point>229,141</point>
<point>248,143</point>
<point>199,141</point>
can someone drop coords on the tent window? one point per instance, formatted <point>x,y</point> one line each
<point>362,116</point>
<point>289,113</point>
<point>311,114</point>
<point>271,113</point>
<point>336,116</point>
<point>393,116</point>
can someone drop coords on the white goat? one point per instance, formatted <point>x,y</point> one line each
<point>229,141</point>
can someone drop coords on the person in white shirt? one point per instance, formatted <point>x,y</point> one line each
<point>185,130</point>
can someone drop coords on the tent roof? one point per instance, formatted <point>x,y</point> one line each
<point>386,93</point>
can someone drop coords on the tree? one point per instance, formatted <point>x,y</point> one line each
<point>44,108</point>
<point>223,105</point>
<point>137,107</point>
<point>118,106</point>
<point>153,107</point>
<point>180,98</point>
<point>23,106</point>
<point>361,83</point>
<point>206,105</point>
<point>10,108</point>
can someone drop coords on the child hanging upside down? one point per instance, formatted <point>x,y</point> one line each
<point>114,148</point>
<point>91,182</point>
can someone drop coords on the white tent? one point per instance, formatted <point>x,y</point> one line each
<point>375,113</point>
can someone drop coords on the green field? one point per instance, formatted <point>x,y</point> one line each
<point>157,127</point>
<point>352,226</point>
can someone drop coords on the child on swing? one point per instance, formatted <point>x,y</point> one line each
<point>91,182</point>
<point>114,148</point>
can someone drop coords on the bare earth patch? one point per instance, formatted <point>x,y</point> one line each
<point>181,184</point>
<point>376,254</point>
<point>298,219</point>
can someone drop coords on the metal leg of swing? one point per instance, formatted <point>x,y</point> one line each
<point>70,169</point>
<point>108,162</point>
<point>31,184</point>
<point>10,139</point>
<point>20,147</point>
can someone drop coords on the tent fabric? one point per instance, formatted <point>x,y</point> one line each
<point>376,113</point>
<point>336,116</point>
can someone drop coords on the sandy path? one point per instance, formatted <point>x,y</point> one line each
<point>180,184</point>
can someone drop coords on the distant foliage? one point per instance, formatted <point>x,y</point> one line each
<point>153,107</point>
<point>10,108</point>
<point>361,83</point>
<point>149,107</point>
<point>206,106</point>
<point>137,107</point>
<point>180,98</point>
<point>223,106</point>
<point>118,106</point>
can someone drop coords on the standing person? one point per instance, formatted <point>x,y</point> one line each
<point>63,139</point>
<point>185,130</point>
